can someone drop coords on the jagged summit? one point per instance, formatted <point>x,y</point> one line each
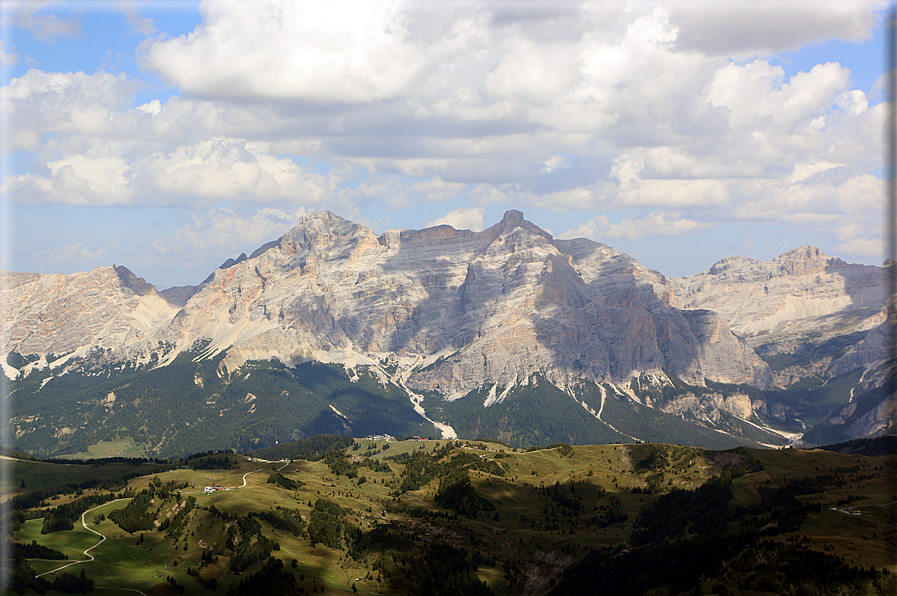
<point>804,252</point>
<point>803,284</point>
<point>508,302</point>
<point>513,220</point>
<point>439,312</point>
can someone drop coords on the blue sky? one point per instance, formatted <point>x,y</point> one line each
<point>169,136</point>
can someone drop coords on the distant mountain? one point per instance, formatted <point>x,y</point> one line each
<point>800,290</point>
<point>506,333</point>
<point>815,319</point>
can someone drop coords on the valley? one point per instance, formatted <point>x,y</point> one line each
<point>392,516</point>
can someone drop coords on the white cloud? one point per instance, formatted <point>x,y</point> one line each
<point>802,171</point>
<point>398,192</point>
<point>561,106</point>
<point>230,169</point>
<point>658,223</point>
<point>76,253</point>
<point>553,164</point>
<point>75,180</point>
<point>863,248</point>
<point>461,219</point>
<point>8,58</point>
<point>320,50</point>
<point>220,230</point>
<point>209,171</point>
<point>756,96</point>
<point>138,23</point>
<point>43,26</point>
<point>854,102</point>
<point>42,103</point>
<point>675,192</point>
<point>750,27</point>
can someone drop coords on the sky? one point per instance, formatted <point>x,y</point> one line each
<point>168,136</point>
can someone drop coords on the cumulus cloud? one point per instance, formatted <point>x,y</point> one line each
<point>745,27</point>
<point>230,169</point>
<point>320,50</point>
<point>77,253</point>
<point>461,219</point>
<point>222,229</point>
<point>565,105</point>
<point>657,223</point>
<point>8,58</point>
<point>863,247</point>
<point>209,171</point>
<point>46,103</point>
<point>43,26</point>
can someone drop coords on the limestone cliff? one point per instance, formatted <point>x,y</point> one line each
<point>800,290</point>
<point>452,312</point>
<point>497,306</point>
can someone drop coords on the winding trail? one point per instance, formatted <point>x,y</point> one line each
<point>87,551</point>
<point>247,474</point>
<point>103,539</point>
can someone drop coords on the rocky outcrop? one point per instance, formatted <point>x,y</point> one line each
<point>800,290</point>
<point>109,307</point>
<point>711,407</point>
<point>816,317</point>
<point>456,309</point>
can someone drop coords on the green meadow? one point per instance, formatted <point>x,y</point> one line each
<point>476,516</point>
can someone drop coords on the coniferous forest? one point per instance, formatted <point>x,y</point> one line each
<point>433,517</point>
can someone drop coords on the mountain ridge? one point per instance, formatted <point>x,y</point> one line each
<point>440,313</point>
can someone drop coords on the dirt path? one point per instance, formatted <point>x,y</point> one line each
<point>245,475</point>
<point>87,551</point>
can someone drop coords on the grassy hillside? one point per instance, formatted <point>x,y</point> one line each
<point>472,517</point>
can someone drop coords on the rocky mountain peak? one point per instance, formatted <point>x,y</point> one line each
<point>732,264</point>
<point>804,253</point>
<point>512,217</point>
<point>511,222</point>
<point>758,297</point>
<point>805,260</point>
<point>137,284</point>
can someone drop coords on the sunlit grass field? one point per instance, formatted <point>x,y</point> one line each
<point>519,528</point>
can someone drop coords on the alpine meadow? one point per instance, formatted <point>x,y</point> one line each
<point>468,297</point>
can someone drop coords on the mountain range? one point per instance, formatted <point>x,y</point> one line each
<point>506,333</point>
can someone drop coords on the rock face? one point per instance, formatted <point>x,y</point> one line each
<point>820,317</point>
<point>803,289</point>
<point>109,307</point>
<point>494,307</point>
<point>449,313</point>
